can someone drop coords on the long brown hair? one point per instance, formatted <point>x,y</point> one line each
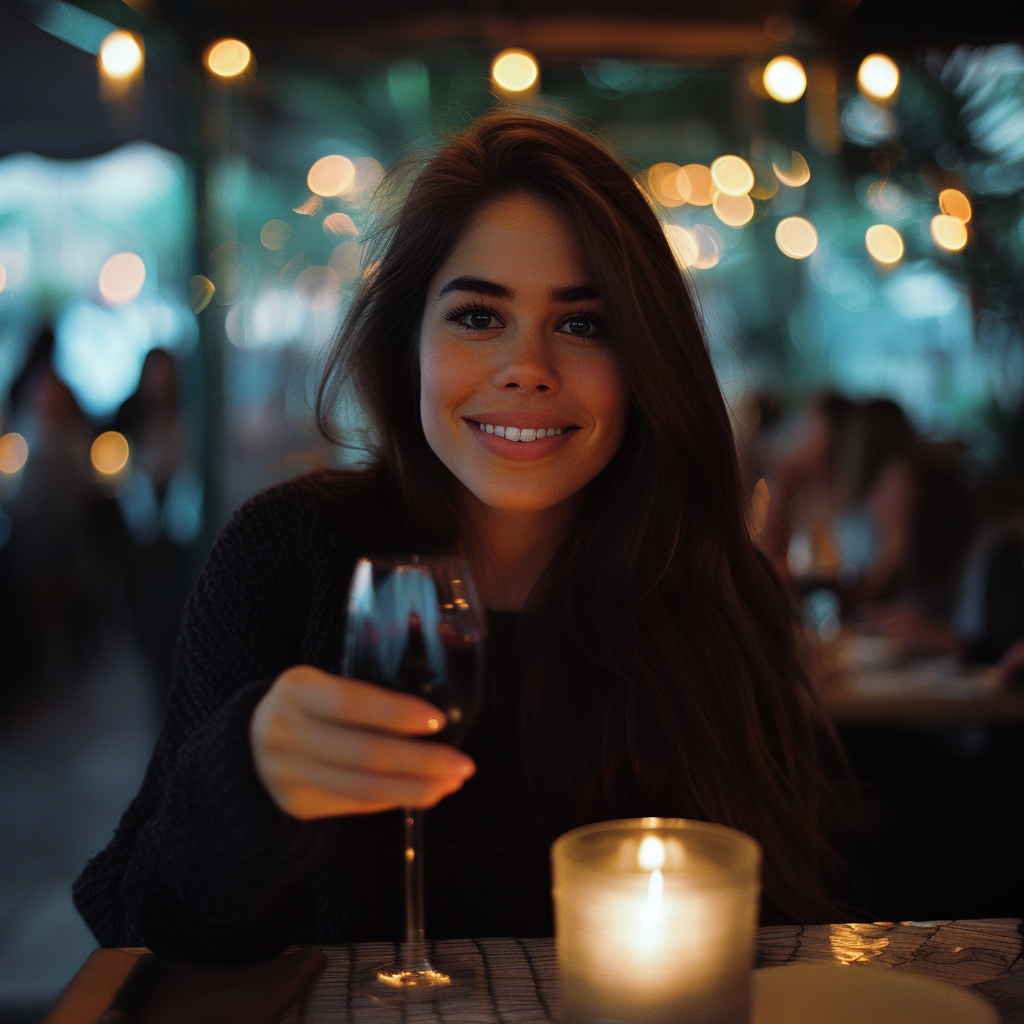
<point>663,673</point>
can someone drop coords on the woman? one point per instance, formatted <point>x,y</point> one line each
<point>642,654</point>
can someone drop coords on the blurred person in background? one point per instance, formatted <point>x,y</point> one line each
<point>58,560</point>
<point>863,506</point>
<point>809,481</point>
<point>155,554</point>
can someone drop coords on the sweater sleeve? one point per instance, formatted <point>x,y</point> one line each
<point>204,866</point>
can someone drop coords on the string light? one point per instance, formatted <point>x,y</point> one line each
<point>515,70</point>
<point>732,175</point>
<point>228,58</point>
<point>121,278</point>
<point>796,237</point>
<point>884,243</point>
<point>954,203</point>
<point>331,175</point>
<point>698,186</point>
<point>109,453</point>
<point>120,54</point>
<point>13,453</point>
<point>878,77</point>
<point>949,232</point>
<point>798,174</point>
<point>785,79</point>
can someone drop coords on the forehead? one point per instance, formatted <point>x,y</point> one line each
<point>520,242</point>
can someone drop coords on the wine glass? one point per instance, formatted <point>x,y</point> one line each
<point>416,624</point>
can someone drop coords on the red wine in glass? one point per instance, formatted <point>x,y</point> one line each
<point>416,624</point>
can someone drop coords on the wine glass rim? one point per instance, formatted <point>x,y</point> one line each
<point>427,561</point>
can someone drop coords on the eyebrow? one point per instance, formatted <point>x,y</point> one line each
<point>576,293</point>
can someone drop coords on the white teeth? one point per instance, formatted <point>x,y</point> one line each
<point>520,433</point>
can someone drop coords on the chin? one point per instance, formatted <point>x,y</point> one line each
<point>512,498</point>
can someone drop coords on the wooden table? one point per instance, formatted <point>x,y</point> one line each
<point>514,981</point>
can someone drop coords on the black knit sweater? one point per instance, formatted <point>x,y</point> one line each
<point>205,867</point>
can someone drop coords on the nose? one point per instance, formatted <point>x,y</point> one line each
<point>527,363</point>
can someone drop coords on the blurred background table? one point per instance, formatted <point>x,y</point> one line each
<point>927,692</point>
<point>515,980</point>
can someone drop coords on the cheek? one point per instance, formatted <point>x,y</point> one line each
<point>439,379</point>
<point>608,398</point>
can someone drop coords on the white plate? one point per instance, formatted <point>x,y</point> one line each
<point>831,994</point>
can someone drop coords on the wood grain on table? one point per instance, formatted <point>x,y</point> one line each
<point>515,981</point>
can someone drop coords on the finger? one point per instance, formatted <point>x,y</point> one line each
<point>359,703</point>
<point>363,789</point>
<point>373,752</point>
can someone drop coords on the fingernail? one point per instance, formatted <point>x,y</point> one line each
<point>467,768</point>
<point>434,724</point>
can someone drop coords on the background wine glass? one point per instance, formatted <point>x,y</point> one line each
<point>416,624</point>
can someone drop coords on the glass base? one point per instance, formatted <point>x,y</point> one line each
<point>394,984</point>
<point>399,977</point>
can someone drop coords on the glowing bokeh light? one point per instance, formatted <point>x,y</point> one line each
<point>796,237</point>
<point>709,246</point>
<point>275,234</point>
<point>661,180</point>
<point>109,453</point>
<point>515,70</point>
<point>13,453</point>
<point>344,261</point>
<point>878,77</point>
<point>765,183</point>
<point>317,288</point>
<point>120,54</point>
<point>331,175</point>
<point>368,174</point>
<point>949,232</point>
<point>884,243</point>
<point>683,245</point>
<point>954,203</point>
<point>735,211</point>
<point>122,278</point>
<point>798,174</point>
<point>201,290</point>
<point>309,207</point>
<point>732,175</point>
<point>785,79</point>
<point>228,57</point>
<point>340,224</point>
<point>698,185</point>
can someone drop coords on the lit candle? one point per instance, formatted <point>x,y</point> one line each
<point>655,921</point>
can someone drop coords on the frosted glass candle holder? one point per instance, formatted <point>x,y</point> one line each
<point>655,921</point>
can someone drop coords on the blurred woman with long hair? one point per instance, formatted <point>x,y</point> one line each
<point>643,657</point>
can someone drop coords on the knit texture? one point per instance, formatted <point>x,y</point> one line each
<point>205,867</point>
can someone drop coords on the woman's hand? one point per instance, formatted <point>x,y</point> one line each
<point>325,746</point>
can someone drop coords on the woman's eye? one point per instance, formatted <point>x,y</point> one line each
<point>479,320</point>
<point>581,327</point>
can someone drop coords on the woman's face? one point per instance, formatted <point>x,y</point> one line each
<point>521,395</point>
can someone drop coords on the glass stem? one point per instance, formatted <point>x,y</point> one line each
<point>414,950</point>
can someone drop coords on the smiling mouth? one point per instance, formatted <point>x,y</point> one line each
<point>521,433</point>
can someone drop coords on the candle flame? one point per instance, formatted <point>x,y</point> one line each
<point>651,854</point>
<point>653,909</point>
